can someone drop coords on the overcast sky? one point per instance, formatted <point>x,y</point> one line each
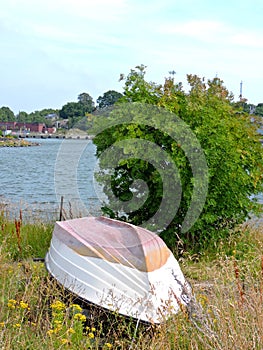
<point>53,50</point>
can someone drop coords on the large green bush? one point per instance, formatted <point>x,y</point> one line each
<point>189,127</point>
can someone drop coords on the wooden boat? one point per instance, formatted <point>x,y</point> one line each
<point>118,266</point>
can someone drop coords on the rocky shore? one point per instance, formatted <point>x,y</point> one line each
<point>14,142</point>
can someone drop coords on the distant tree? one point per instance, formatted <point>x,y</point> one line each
<point>86,100</point>
<point>22,117</point>
<point>36,117</point>
<point>243,106</point>
<point>109,98</point>
<point>6,115</point>
<point>259,109</point>
<point>72,110</point>
<point>43,116</point>
<point>48,111</point>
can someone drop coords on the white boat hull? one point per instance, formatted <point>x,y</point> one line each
<point>150,296</point>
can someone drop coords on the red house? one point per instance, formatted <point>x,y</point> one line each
<point>30,127</point>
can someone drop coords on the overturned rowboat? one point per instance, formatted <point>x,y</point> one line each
<point>119,267</point>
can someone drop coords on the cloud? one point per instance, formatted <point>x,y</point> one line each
<point>215,32</point>
<point>200,30</point>
<point>64,11</point>
<point>66,21</point>
<point>70,33</point>
<point>248,39</point>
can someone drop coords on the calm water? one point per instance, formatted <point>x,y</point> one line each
<point>35,178</point>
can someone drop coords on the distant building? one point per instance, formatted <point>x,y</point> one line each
<point>26,127</point>
<point>7,125</point>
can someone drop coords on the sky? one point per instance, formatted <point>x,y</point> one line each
<point>54,50</point>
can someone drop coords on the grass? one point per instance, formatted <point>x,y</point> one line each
<point>36,313</point>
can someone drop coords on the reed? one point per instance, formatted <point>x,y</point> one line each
<point>21,240</point>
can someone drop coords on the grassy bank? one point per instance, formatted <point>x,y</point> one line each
<point>35,313</point>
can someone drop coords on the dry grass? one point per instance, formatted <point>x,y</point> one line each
<point>228,287</point>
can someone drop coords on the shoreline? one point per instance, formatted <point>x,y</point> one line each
<point>14,142</point>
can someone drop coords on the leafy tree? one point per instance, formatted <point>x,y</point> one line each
<point>6,115</point>
<point>70,110</point>
<point>109,98</point>
<point>243,106</point>
<point>259,109</point>
<point>87,102</point>
<point>228,140</point>
<point>36,117</point>
<point>48,111</point>
<point>22,117</point>
<point>138,89</point>
<point>76,111</point>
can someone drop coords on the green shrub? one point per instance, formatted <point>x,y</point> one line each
<point>201,127</point>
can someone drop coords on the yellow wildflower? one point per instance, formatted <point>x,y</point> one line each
<point>58,306</point>
<point>57,328</point>
<point>57,322</point>
<point>24,305</point>
<point>17,325</point>
<point>50,332</point>
<point>71,331</point>
<point>11,303</point>
<point>76,307</point>
<point>11,306</point>
<point>80,317</point>
<point>2,324</point>
<point>93,329</point>
<point>64,341</point>
<point>108,345</point>
<point>91,335</point>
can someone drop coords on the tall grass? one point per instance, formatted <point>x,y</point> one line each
<point>21,240</point>
<point>36,313</point>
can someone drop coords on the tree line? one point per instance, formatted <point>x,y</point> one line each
<point>75,111</point>
<point>72,111</point>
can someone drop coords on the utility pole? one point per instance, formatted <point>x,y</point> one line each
<point>240,95</point>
